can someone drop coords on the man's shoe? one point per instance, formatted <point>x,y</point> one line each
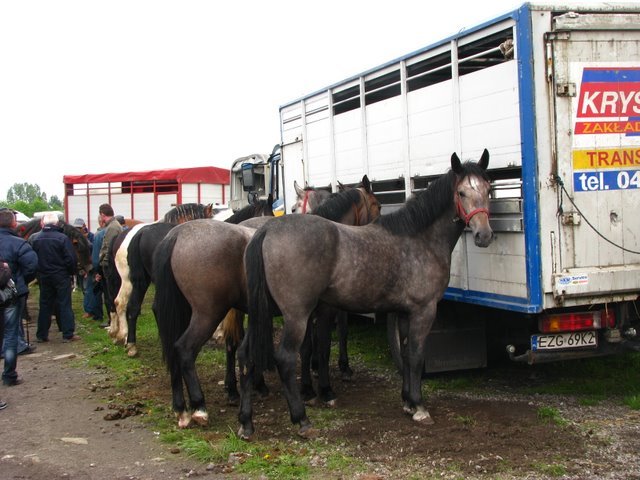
<point>42,340</point>
<point>3,405</point>
<point>71,339</point>
<point>87,315</point>
<point>29,350</point>
<point>13,383</point>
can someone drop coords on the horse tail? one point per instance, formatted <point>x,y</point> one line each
<point>232,326</point>
<point>170,307</point>
<point>260,306</point>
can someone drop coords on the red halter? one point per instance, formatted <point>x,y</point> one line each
<point>304,201</point>
<point>466,217</point>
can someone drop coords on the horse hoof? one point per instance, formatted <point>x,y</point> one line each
<point>423,417</point>
<point>201,417</point>
<point>184,419</point>
<point>331,403</point>
<point>311,402</point>
<point>233,400</point>
<point>132,350</point>
<point>408,409</point>
<point>346,374</point>
<point>308,432</point>
<point>245,433</point>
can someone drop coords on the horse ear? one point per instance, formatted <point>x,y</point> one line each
<point>299,190</point>
<point>484,160</point>
<point>366,184</point>
<point>456,165</point>
<point>341,187</point>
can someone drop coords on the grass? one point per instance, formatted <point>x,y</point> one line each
<point>552,415</point>
<point>609,377</point>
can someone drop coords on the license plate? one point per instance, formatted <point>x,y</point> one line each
<point>564,341</point>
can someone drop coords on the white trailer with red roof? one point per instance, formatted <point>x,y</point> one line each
<point>143,195</point>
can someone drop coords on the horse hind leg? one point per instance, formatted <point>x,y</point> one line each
<point>186,349</point>
<point>134,307</point>
<point>286,359</point>
<point>177,397</point>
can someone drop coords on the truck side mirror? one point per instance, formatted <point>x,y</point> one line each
<point>248,177</point>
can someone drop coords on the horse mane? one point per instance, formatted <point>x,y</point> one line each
<point>260,208</point>
<point>188,211</point>
<point>25,230</point>
<point>337,204</point>
<point>423,208</point>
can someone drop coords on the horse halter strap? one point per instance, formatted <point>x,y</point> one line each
<point>463,215</point>
<point>305,201</point>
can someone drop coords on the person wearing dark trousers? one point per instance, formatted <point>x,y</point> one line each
<point>23,262</point>
<point>8,294</point>
<point>57,264</point>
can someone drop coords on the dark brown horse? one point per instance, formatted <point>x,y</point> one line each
<point>199,276</point>
<point>400,263</point>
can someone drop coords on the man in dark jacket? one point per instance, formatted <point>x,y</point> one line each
<point>23,262</point>
<point>57,264</point>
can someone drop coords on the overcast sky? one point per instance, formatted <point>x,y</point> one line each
<point>117,86</point>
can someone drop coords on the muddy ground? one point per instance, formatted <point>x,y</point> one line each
<point>62,422</point>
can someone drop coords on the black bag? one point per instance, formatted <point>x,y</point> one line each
<point>8,294</point>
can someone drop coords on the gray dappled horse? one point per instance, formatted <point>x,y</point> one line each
<point>400,263</point>
<point>199,276</point>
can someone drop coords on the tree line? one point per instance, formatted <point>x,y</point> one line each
<point>28,199</point>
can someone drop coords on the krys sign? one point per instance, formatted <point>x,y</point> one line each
<point>606,154</point>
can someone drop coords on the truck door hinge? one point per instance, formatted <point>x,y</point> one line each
<point>566,89</point>
<point>571,218</point>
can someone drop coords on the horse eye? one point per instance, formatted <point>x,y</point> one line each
<point>461,193</point>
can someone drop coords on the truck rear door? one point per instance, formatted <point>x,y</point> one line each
<point>595,76</point>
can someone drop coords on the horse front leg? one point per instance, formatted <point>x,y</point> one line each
<point>325,316</point>
<point>230,381</point>
<point>306,383</point>
<point>419,327</point>
<point>343,359</point>
<point>245,414</point>
<point>286,358</point>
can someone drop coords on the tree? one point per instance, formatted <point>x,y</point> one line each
<point>28,199</point>
<point>25,192</point>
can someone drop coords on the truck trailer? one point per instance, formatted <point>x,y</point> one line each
<point>553,93</point>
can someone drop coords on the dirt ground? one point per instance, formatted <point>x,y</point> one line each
<point>56,427</point>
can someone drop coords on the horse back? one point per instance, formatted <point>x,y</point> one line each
<point>207,257</point>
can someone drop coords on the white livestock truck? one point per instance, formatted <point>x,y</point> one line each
<point>554,94</point>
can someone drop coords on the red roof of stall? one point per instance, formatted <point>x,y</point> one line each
<point>181,175</point>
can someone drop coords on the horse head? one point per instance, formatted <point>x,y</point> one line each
<point>369,209</point>
<point>80,244</point>
<point>308,199</point>
<point>472,195</point>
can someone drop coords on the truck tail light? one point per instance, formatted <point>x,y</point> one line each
<point>571,322</point>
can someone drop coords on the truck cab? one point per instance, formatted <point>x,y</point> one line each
<point>255,177</point>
